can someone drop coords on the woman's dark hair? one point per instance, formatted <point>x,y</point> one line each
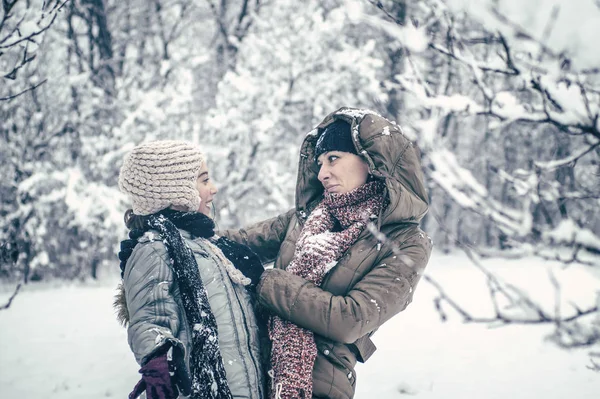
<point>140,222</point>
<point>133,221</point>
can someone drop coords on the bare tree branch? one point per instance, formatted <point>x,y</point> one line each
<point>522,33</point>
<point>389,15</point>
<point>567,161</point>
<point>23,92</point>
<point>595,365</point>
<point>12,297</point>
<point>53,12</point>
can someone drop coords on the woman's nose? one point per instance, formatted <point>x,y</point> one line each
<point>323,173</point>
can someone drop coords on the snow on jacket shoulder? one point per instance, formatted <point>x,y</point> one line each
<point>156,313</point>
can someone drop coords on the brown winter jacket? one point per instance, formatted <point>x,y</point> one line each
<point>373,280</point>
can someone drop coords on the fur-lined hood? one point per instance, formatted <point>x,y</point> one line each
<point>120,306</point>
<point>390,154</point>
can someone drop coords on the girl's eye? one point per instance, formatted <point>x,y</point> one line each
<point>332,158</point>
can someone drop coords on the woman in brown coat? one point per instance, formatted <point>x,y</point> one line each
<point>347,258</point>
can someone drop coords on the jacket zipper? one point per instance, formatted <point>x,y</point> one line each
<point>245,322</point>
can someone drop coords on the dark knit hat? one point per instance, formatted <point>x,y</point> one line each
<point>335,137</point>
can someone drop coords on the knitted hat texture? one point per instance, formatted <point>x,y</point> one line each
<point>335,137</point>
<point>160,174</point>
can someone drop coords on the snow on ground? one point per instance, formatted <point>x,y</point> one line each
<point>64,343</point>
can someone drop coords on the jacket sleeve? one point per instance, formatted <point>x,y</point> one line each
<point>382,293</point>
<point>153,312</point>
<point>264,238</point>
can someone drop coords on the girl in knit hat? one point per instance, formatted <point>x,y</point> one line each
<point>186,294</point>
<point>348,257</point>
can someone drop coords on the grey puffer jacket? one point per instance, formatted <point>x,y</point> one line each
<point>156,314</point>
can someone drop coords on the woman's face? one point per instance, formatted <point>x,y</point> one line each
<point>207,190</point>
<point>341,172</point>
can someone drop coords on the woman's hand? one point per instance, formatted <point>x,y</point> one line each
<point>156,378</point>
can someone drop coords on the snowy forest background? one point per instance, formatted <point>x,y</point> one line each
<point>501,96</point>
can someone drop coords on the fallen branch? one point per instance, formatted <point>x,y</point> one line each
<point>12,297</point>
<point>515,295</point>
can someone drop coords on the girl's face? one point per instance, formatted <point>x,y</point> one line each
<point>341,172</point>
<point>207,190</point>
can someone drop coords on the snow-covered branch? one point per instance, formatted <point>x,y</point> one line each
<point>514,90</point>
<point>551,165</point>
<point>558,94</point>
<point>465,190</point>
<point>21,27</point>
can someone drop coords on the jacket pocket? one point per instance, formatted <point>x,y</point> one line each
<point>343,363</point>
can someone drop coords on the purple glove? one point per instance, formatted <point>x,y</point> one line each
<point>156,380</point>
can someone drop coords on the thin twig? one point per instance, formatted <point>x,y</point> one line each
<point>12,297</point>
<point>23,92</point>
<point>566,161</point>
<point>380,5</point>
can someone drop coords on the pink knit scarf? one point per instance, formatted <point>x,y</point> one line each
<point>317,250</point>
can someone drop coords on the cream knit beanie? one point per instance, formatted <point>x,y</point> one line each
<point>160,174</point>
